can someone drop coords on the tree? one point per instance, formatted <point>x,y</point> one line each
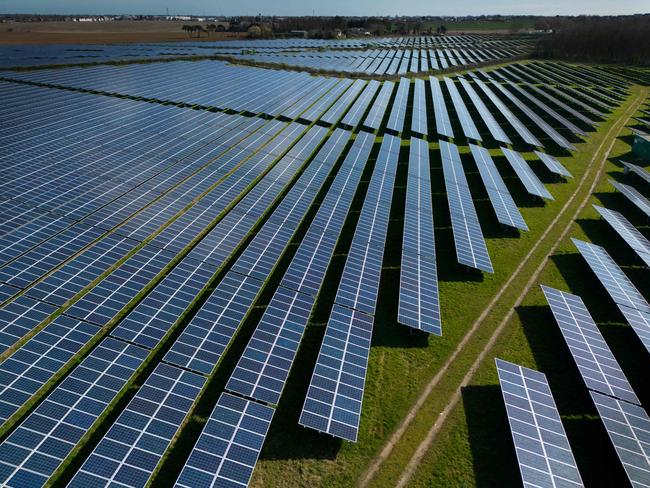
<point>441,30</point>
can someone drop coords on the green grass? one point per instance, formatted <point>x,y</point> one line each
<point>401,362</point>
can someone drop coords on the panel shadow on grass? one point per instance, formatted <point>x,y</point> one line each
<point>493,453</point>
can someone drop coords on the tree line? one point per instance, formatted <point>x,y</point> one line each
<point>623,39</point>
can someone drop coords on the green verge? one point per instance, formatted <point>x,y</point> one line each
<point>402,363</point>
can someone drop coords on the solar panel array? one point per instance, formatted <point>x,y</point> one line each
<point>526,175</point>
<point>229,445</point>
<point>633,195</point>
<point>628,299</point>
<point>628,426</point>
<point>419,305</point>
<point>543,450</point>
<point>504,206</point>
<point>468,237</point>
<point>627,231</point>
<point>333,403</point>
<point>117,216</point>
<point>598,367</point>
<point>132,449</point>
<point>32,452</point>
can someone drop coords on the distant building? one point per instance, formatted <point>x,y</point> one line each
<point>297,33</point>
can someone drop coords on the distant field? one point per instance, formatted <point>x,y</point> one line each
<point>13,33</point>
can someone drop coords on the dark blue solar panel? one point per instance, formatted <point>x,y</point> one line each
<point>41,442</point>
<point>263,369</point>
<point>229,445</point>
<point>134,445</point>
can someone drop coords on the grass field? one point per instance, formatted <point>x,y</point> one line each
<point>16,33</point>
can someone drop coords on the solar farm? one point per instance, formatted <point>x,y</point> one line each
<point>414,261</point>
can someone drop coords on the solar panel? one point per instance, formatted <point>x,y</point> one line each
<point>493,126</point>
<point>553,165</point>
<point>151,320</point>
<point>627,426</point>
<point>32,365</point>
<point>640,322</point>
<point>106,299</point>
<point>83,269</point>
<point>341,105</point>
<point>208,334</point>
<point>19,317</point>
<point>419,305</point>
<point>41,442</point>
<point>536,101</point>
<point>598,367</point>
<point>353,117</point>
<point>129,452</point>
<point>263,368</point>
<point>619,286</point>
<point>229,445</point>
<point>308,266</point>
<point>633,196</point>
<point>419,116</point>
<point>504,206</point>
<point>466,122</point>
<point>526,175</point>
<point>378,109</point>
<point>359,284</point>
<point>468,237</point>
<point>543,450</point>
<point>512,119</point>
<point>398,112</point>
<point>443,124</point>
<point>38,261</point>
<point>627,231</point>
<point>558,138</point>
<point>333,402</point>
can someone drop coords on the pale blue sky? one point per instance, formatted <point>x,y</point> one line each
<point>329,7</point>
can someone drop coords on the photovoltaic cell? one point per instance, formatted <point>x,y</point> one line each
<point>41,442</point>
<point>32,365</point>
<point>206,337</point>
<point>148,323</point>
<point>619,286</point>
<point>264,366</point>
<point>468,237</point>
<point>627,426</point>
<point>543,450</point>
<point>398,112</point>
<point>230,443</point>
<point>528,178</point>
<point>19,317</point>
<point>333,403</point>
<point>627,231</point>
<point>504,206</point>
<point>134,445</point>
<point>598,367</point>
<point>419,305</point>
<point>633,196</point>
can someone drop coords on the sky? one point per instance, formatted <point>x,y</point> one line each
<point>330,7</point>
